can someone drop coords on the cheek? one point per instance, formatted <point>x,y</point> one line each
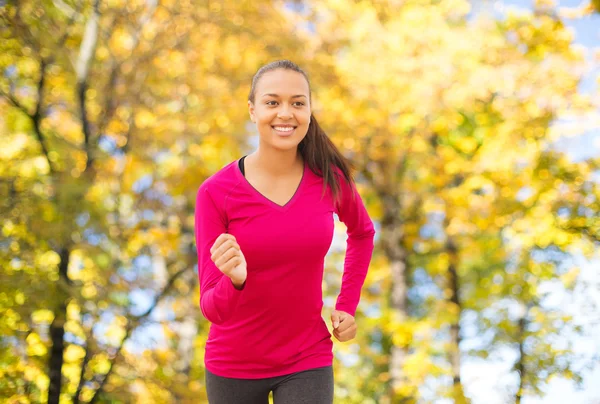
<point>304,118</point>
<point>266,117</point>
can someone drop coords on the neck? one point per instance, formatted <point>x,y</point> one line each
<point>275,162</point>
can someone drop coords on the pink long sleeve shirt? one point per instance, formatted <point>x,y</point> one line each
<point>274,325</point>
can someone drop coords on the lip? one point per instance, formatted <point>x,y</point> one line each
<point>284,134</point>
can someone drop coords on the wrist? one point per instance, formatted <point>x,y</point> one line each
<point>238,284</point>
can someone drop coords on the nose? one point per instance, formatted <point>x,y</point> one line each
<point>284,112</point>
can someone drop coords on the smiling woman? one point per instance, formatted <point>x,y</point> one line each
<point>264,224</point>
<point>281,109</point>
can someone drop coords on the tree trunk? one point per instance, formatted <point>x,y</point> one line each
<point>520,365</point>
<point>57,331</point>
<point>391,235</point>
<point>455,338</point>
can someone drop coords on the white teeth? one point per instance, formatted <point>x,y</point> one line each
<point>284,129</point>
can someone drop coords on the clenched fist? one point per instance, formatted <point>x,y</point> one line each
<point>344,326</point>
<point>227,256</point>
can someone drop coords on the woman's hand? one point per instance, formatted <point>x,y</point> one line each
<point>344,327</point>
<point>228,257</point>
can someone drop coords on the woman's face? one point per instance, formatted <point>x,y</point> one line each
<point>281,109</point>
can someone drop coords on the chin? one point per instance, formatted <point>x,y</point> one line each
<point>284,147</point>
<point>283,144</point>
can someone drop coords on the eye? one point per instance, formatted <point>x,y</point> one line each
<point>299,104</point>
<point>271,103</point>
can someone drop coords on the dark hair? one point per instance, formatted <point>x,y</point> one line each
<point>316,148</point>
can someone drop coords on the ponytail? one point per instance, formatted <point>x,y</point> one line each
<point>322,157</point>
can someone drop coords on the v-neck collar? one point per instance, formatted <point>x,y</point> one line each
<point>268,201</point>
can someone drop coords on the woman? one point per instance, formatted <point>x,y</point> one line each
<point>264,224</point>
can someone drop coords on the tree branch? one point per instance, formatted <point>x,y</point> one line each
<point>82,67</point>
<point>37,116</point>
<point>23,30</point>
<point>73,15</point>
<point>586,231</point>
<point>13,100</point>
<point>110,105</point>
<point>132,324</point>
<point>84,364</point>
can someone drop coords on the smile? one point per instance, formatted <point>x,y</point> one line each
<point>284,130</point>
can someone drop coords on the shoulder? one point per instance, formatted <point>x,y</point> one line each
<point>346,184</point>
<point>338,172</point>
<point>221,183</point>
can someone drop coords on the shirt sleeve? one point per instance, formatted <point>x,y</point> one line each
<point>361,233</point>
<point>218,296</point>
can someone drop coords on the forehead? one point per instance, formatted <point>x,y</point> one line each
<point>282,82</point>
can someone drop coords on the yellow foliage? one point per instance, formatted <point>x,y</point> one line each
<point>42,316</point>
<point>418,366</point>
<point>49,259</point>
<point>100,364</point>
<point>144,119</point>
<point>74,327</point>
<point>89,291</point>
<point>402,334</point>
<point>570,277</point>
<point>14,145</point>
<point>35,346</point>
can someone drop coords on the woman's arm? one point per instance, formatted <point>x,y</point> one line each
<point>218,296</point>
<point>352,212</point>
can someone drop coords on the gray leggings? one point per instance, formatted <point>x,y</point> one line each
<point>314,386</point>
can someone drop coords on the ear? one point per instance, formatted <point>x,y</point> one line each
<point>251,111</point>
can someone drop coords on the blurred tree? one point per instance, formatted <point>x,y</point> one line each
<point>113,114</point>
<point>446,115</point>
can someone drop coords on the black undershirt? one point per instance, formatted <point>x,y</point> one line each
<point>241,163</point>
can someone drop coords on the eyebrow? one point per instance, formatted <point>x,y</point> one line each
<point>275,95</point>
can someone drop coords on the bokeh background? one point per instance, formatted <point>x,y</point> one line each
<point>474,128</point>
